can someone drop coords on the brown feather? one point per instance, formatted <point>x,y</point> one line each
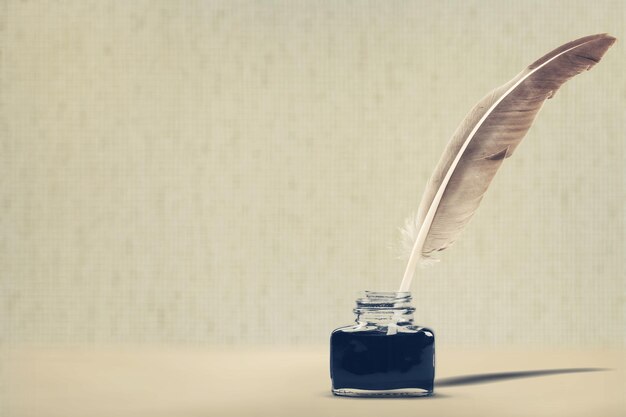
<point>488,134</point>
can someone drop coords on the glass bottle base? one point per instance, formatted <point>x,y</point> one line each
<point>402,392</point>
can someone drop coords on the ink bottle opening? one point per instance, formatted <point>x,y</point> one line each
<point>384,353</point>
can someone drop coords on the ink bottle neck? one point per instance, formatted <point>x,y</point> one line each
<point>384,308</point>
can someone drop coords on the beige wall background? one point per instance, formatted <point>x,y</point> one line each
<point>234,172</point>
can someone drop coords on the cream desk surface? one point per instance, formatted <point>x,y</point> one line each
<point>265,381</point>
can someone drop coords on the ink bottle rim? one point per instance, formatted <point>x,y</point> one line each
<point>384,308</point>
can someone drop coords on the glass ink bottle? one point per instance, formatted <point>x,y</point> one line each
<point>384,353</point>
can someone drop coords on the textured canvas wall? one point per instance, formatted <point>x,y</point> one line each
<point>233,172</point>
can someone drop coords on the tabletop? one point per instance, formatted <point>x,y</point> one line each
<point>267,381</point>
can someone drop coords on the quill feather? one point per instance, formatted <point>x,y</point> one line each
<point>489,134</point>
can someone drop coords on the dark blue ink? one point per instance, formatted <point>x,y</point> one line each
<point>384,354</point>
